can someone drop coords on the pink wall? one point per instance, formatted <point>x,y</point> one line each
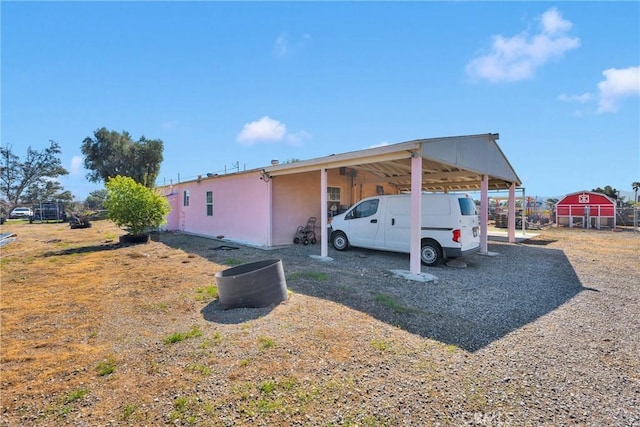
<point>241,204</point>
<point>240,208</point>
<point>297,197</point>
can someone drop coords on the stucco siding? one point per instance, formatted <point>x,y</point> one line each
<point>240,208</point>
<point>295,199</point>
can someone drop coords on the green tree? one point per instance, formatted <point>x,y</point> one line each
<point>110,153</point>
<point>607,191</point>
<point>133,206</point>
<point>47,190</point>
<point>95,200</point>
<point>21,180</point>
<point>636,186</point>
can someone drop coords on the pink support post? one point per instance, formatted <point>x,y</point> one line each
<point>416,212</point>
<point>484,214</point>
<point>324,248</point>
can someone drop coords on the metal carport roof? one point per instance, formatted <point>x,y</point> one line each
<point>455,163</point>
<point>471,162</point>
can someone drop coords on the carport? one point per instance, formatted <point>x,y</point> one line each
<point>456,163</point>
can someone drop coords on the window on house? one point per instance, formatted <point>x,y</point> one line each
<point>185,198</point>
<point>333,200</point>
<point>209,203</point>
<point>333,194</point>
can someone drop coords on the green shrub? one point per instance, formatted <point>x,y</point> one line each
<point>133,206</point>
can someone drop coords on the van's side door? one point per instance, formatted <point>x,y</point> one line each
<point>364,225</point>
<point>397,224</point>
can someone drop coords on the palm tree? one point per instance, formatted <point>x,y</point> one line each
<point>636,186</point>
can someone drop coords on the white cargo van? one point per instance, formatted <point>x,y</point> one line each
<point>449,226</point>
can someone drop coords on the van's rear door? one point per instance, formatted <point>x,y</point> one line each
<point>469,224</point>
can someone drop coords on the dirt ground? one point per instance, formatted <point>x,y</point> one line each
<point>96,333</point>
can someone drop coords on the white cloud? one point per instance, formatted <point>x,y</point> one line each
<point>297,138</point>
<point>519,57</point>
<point>581,99</point>
<point>284,47</point>
<point>617,84</point>
<point>77,163</point>
<point>265,129</point>
<point>382,144</point>
<point>281,45</point>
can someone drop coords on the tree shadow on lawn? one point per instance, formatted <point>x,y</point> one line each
<point>467,307</point>
<point>84,249</point>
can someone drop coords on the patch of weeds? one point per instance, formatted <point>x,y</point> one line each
<point>232,261</point>
<point>475,394</point>
<point>211,341</point>
<point>106,367</point>
<point>181,336</point>
<point>206,293</point>
<point>391,303</point>
<point>381,345</point>
<point>74,395</point>
<point>270,405</point>
<point>127,411</point>
<point>183,411</point>
<point>244,362</point>
<point>450,348</point>
<point>265,342</point>
<point>154,367</point>
<point>313,275</point>
<point>266,387</point>
<point>242,391</point>
<point>93,334</point>
<point>175,337</point>
<point>110,236</point>
<point>281,396</point>
<point>65,410</point>
<point>425,365</point>
<point>288,383</point>
<point>194,332</point>
<point>198,367</point>
<point>159,307</point>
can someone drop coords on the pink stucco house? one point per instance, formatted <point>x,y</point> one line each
<point>265,206</point>
<point>255,208</point>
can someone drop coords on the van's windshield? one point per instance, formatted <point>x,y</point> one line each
<point>467,206</point>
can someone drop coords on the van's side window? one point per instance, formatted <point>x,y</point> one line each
<point>364,209</point>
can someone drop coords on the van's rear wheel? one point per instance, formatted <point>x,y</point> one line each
<point>431,253</point>
<point>340,241</point>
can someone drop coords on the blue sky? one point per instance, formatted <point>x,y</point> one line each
<point>242,83</point>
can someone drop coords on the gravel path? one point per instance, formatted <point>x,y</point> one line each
<point>549,328</point>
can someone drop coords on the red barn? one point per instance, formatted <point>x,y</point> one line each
<point>586,209</point>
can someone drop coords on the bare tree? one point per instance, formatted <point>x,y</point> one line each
<point>20,178</point>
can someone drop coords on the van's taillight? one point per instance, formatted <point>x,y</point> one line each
<point>456,236</point>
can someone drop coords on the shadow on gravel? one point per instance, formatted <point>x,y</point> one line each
<point>467,307</point>
<point>212,312</point>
